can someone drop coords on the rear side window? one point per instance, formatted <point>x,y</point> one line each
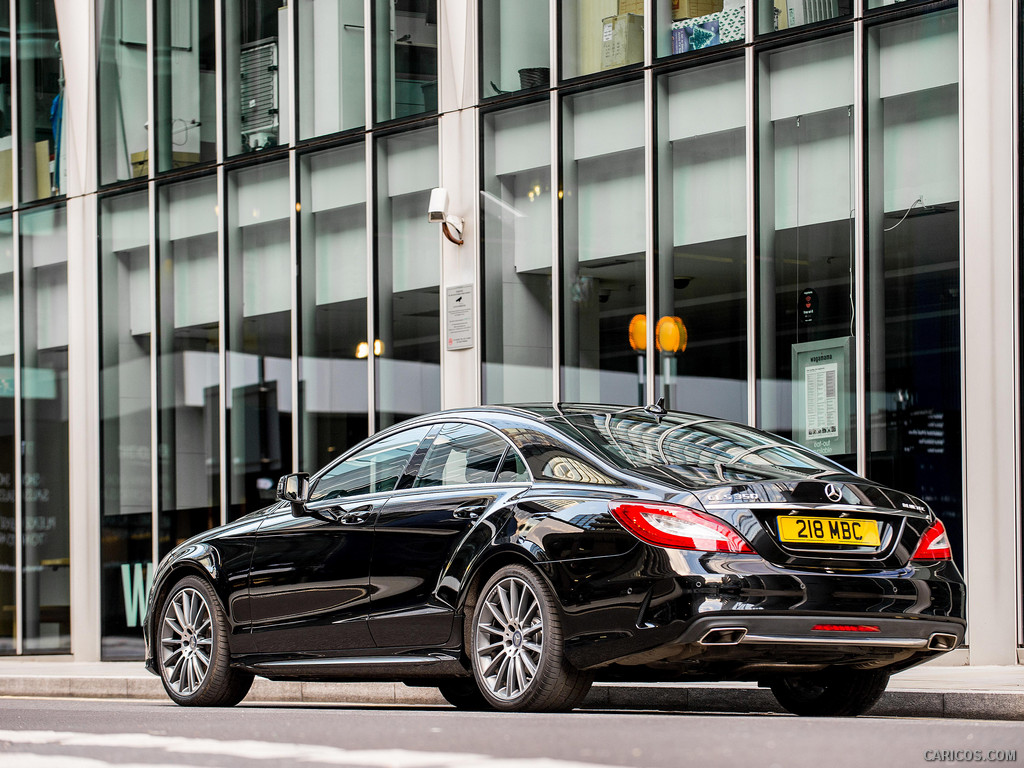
<point>374,469</point>
<point>461,454</point>
<point>513,470</point>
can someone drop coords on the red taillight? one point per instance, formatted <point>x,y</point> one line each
<point>669,525</point>
<point>846,628</point>
<point>934,544</point>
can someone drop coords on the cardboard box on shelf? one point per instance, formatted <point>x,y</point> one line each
<point>140,161</point>
<point>688,9</point>
<point>631,6</point>
<point>622,41</point>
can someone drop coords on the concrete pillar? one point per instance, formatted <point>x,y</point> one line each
<point>991,318</point>
<point>459,174</point>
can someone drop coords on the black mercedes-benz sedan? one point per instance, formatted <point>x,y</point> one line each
<point>512,555</point>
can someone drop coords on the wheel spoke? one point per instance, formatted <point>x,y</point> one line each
<point>528,665</point>
<point>533,628</point>
<point>524,680</point>
<point>505,605</point>
<point>176,605</point>
<point>503,675</point>
<point>494,664</point>
<point>176,670</point>
<point>489,605</point>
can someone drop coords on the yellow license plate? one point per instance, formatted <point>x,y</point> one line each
<point>828,530</point>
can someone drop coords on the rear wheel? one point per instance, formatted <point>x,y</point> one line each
<point>832,692</point>
<point>517,647</point>
<point>192,648</point>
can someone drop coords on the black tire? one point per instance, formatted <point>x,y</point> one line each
<point>191,647</point>
<point>831,693</point>
<point>463,694</point>
<point>495,645</point>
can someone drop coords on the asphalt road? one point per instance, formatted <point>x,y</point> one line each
<point>65,733</point>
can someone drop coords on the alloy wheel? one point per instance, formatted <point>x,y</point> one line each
<point>186,641</point>
<point>509,638</point>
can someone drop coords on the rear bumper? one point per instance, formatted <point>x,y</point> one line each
<point>656,611</point>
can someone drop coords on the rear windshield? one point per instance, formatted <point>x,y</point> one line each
<point>635,438</point>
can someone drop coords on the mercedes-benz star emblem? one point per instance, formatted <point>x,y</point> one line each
<point>833,492</point>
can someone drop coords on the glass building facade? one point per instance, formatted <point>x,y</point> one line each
<point>756,209</point>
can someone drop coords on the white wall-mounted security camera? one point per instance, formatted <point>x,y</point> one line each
<point>438,208</point>
<point>437,213</point>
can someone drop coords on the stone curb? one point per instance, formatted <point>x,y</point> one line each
<point>984,705</point>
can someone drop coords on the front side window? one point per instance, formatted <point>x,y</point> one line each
<point>373,470</point>
<point>461,454</point>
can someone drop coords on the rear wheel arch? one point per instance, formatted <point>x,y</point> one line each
<point>487,567</point>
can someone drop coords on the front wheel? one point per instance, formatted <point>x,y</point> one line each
<point>517,646</point>
<point>192,648</point>
<point>832,692</point>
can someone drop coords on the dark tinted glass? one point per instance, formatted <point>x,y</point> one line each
<point>461,453</point>
<point>373,470</point>
<point>639,440</point>
<point>513,470</point>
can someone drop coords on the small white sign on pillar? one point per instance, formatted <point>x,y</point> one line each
<point>459,323</point>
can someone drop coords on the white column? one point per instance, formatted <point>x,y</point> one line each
<point>459,174</point>
<point>77,26</point>
<point>989,304</point>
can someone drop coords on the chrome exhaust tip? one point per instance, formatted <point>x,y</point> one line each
<point>941,641</point>
<point>724,636</point>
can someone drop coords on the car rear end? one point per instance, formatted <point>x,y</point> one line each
<point>754,570</point>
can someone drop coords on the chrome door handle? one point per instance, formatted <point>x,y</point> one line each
<point>353,518</point>
<point>469,511</point>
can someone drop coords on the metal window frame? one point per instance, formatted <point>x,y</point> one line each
<point>19,523</point>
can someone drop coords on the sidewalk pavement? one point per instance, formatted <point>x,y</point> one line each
<point>930,690</point>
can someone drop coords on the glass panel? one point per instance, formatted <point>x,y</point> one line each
<point>604,283</point>
<point>126,491</point>
<point>332,70</point>
<point>408,312</point>
<point>806,378</point>
<point>702,224</point>
<point>257,61</point>
<point>259,327</point>
<point>334,365</point>
<point>913,264</point>
<point>516,211</point>
<point>692,25</point>
<point>884,3</point>
<point>405,58</point>
<point>513,470</point>
<point>42,157</point>
<point>777,15</point>
<point>6,142</point>
<point>599,35</point>
<point>122,114</point>
<point>690,446</point>
<point>373,470</point>
<point>515,46</point>
<point>44,403</point>
<point>188,383</point>
<point>186,83</point>
<point>461,454</point>
<point>8,540</point>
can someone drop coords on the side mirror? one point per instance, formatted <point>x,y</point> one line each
<point>295,490</point>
